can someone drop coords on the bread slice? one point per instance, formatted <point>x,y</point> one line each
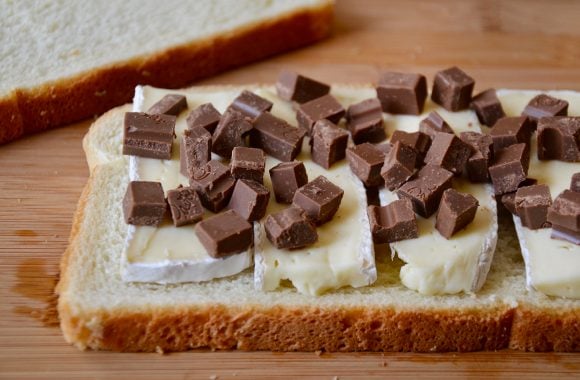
<point>100,311</point>
<point>66,61</point>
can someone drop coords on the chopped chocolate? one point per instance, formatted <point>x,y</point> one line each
<point>290,229</point>
<point>365,121</point>
<point>205,116</point>
<point>434,124</point>
<point>480,159</point>
<point>319,199</point>
<point>214,185</point>
<point>487,107</point>
<point>544,105</point>
<point>276,137</point>
<point>328,143</point>
<point>230,132</point>
<point>385,148</point>
<point>559,138</point>
<point>250,104</point>
<point>248,163</point>
<point>393,222</point>
<point>575,182</point>
<point>416,140</point>
<point>366,161</point>
<point>298,88</point>
<point>564,214</point>
<point>185,206</point>
<point>402,93</point>
<point>249,200</point>
<point>144,203</point>
<point>194,150</point>
<point>426,189</point>
<point>511,130</point>
<point>171,104</point>
<point>452,89</point>
<point>508,200</point>
<point>225,234</point>
<point>325,107</point>
<point>449,152</point>
<point>531,204</point>
<point>147,135</point>
<point>509,168</point>
<point>287,177</point>
<point>399,165</point>
<point>456,211</point>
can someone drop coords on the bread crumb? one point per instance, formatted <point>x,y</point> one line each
<point>335,378</point>
<point>318,352</point>
<point>213,377</point>
<point>159,350</point>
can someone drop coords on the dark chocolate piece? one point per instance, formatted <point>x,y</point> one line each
<point>320,199</point>
<point>426,189</point>
<point>559,138</point>
<point>147,135</point>
<point>385,148</point>
<point>544,105</point>
<point>171,104</point>
<point>531,204</point>
<point>205,116</point>
<point>290,229</point>
<point>328,143</point>
<point>276,137</point>
<point>564,214</point>
<point>511,130</point>
<point>487,107</point>
<point>298,88</point>
<point>287,177</point>
<point>508,200</point>
<point>230,133</point>
<point>449,152</point>
<point>214,185</point>
<point>399,165</point>
<point>575,182</point>
<point>365,121</point>
<point>402,93</point>
<point>249,200</point>
<point>452,89</point>
<point>456,211</point>
<point>144,203</point>
<point>325,107</point>
<point>225,234</point>
<point>434,124</point>
<point>248,163</point>
<point>366,161</point>
<point>250,104</point>
<point>477,165</point>
<point>509,168</point>
<point>194,150</point>
<point>393,222</point>
<point>419,141</point>
<point>185,206</point>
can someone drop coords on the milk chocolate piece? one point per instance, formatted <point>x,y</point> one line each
<point>185,206</point>
<point>531,204</point>
<point>249,200</point>
<point>194,150</point>
<point>328,143</point>
<point>171,104</point>
<point>575,182</point>
<point>564,214</point>
<point>366,161</point>
<point>509,168</point>
<point>290,229</point>
<point>276,137</point>
<point>230,132</point>
<point>298,88</point>
<point>456,211</point>
<point>250,104</point>
<point>393,222</point>
<point>449,152</point>
<point>426,189</point>
<point>325,107</point>
<point>402,93</point>
<point>147,135</point>
<point>205,116</point>
<point>287,177</point>
<point>144,203</point>
<point>419,141</point>
<point>544,105</point>
<point>487,107</point>
<point>385,148</point>
<point>480,159</point>
<point>434,124</point>
<point>214,185</point>
<point>452,89</point>
<point>559,138</point>
<point>511,130</point>
<point>508,200</point>
<point>319,199</point>
<point>365,121</point>
<point>399,165</point>
<point>225,234</point>
<point>248,163</point>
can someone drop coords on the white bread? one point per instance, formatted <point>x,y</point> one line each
<point>99,311</point>
<point>64,61</point>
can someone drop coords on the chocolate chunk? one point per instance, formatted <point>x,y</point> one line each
<point>416,140</point>
<point>544,105</point>
<point>509,168</point>
<point>298,88</point>
<point>225,234</point>
<point>393,222</point>
<point>328,143</point>
<point>402,93</point>
<point>230,133</point>
<point>194,150</point>
<point>426,189</point>
<point>452,89</point>
<point>487,107</point>
<point>147,135</point>
<point>456,211</point>
<point>214,185</point>
<point>287,177</point>
<point>250,104</point>
<point>564,214</point>
<point>144,203</point>
<point>508,200</point>
<point>385,148</point>
<point>480,159</point>
<point>366,161</point>
<point>249,200</point>
<point>449,152</point>
<point>325,107</point>
<point>531,204</point>
<point>290,229</point>
<point>248,163</point>
<point>185,206</point>
<point>511,130</point>
<point>171,104</point>
<point>276,137</point>
<point>434,124</point>
<point>205,116</point>
<point>575,182</point>
<point>319,199</point>
<point>559,138</point>
<point>399,165</point>
<point>365,121</point>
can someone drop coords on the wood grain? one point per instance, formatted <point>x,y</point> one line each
<point>517,44</point>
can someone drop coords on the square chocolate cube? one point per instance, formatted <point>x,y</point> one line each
<point>564,214</point>
<point>575,182</point>
<point>276,137</point>
<point>402,93</point>
<point>185,206</point>
<point>144,203</point>
<point>194,150</point>
<point>456,211</point>
<point>417,140</point>
<point>449,152</point>
<point>366,161</point>
<point>319,199</point>
<point>171,104</point>
<point>292,86</point>
<point>205,116</point>
<point>365,121</point>
<point>511,130</point>
<point>426,189</point>
<point>487,107</point>
<point>559,138</point>
<point>225,234</point>
<point>214,185</point>
<point>544,105</point>
<point>399,165</point>
<point>509,168</point>
<point>531,204</point>
<point>287,177</point>
<point>290,229</point>
<point>248,163</point>
<point>147,135</point>
<point>478,163</point>
<point>452,89</point>
<point>325,107</point>
<point>434,124</point>
<point>393,222</point>
<point>328,143</point>
<point>250,104</point>
<point>249,199</point>
<point>230,132</point>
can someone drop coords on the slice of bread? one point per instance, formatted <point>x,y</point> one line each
<point>100,311</point>
<point>73,60</point>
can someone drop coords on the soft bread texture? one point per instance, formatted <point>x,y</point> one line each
<point>100,311</point>
<point>81,59</point>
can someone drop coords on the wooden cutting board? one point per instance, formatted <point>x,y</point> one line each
<point>516,44</point>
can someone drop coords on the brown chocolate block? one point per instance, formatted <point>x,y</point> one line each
<point>276,137</point>
<point>434,124</point>
<point>426,189</point>
<point>298,88</point>
<point>487,107</point>
<point>393,222</point>
<point>531,204</point>
<point>449,152</point>
<point>287,177</point>
<point>365,121</point>
<point>147,135</point>
<point>508,200</point>
<point>248,163</point>
<point>249,199</point>
<point>509,168</point>
<point>564,214</point>
<point>250,104</point>
<point>402,93</point>
<point>290,229</point>
<point>544,105</point>
<point>171,104</point>
<point>477,165</point>
<point>456,211</point>
<point>511,130</point>
<point>452,89</point>
<point>385,148</point>
<point>399,165</point>
<point>214,185</point>
<point>575,182</point>
<point>320,199</point>
<point>185,206</point>
<point>366,161</point>
<point>204,116</point>
<point>144,203</point>
<point>419,141</point>
<point>559,138</point>
<point>328,143</point>
<point>225,234</point>
<point>325,107</point>
<point>194,150</point>
<point>230,132</point>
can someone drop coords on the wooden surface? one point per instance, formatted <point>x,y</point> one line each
<point>518,44</point>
